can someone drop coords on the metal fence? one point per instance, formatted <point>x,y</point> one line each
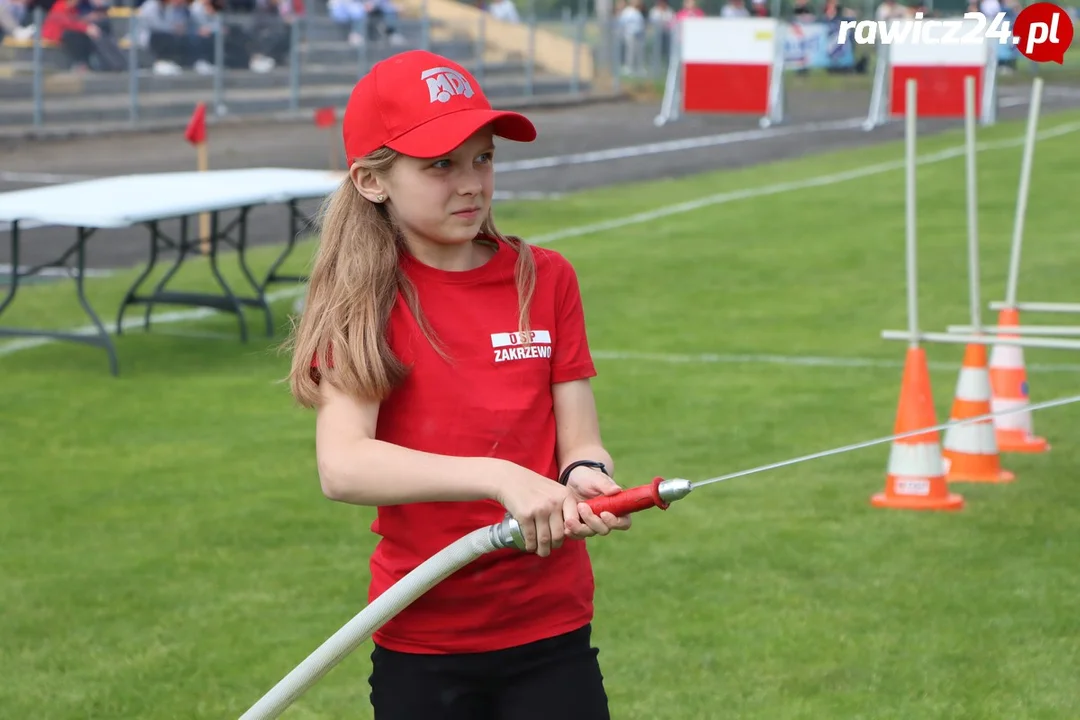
<point>251,64</point>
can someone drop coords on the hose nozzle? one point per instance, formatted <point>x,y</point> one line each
<point>659,493</point>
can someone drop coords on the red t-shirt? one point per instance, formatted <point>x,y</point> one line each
<point>493,400</point>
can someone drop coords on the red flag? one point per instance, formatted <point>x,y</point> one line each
<point>196,129</point>
<point>325,117</point>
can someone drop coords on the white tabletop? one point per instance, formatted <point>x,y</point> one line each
<point>126,200</point>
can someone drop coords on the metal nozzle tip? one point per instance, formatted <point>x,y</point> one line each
<point>674,489</point>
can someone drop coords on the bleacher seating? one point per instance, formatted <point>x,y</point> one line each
<point>328,67</point>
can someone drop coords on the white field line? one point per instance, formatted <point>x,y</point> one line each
<point>550,161</point>
<point>761,191</point>
<point>824,361</point>
<point>131,323</point>
<point>41,178</point>
<point>677,145</point>
<point>525,195</point>
<point>67,272</point>
<point>636,219</point>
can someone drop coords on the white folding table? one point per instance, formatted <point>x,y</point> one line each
<point>149,199</point>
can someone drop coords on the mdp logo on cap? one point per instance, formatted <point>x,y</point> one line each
<point>444,83</point>
<point>1043,32</point>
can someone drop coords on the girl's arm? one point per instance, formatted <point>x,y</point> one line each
<point>577,426</point>
<point>355,468</point>
<point>578,438</point>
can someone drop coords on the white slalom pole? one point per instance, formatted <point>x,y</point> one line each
<point>972,203</point>
<point>910,117</point>
<point>1022,192</point>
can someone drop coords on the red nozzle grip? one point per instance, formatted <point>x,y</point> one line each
<point>629,501</point>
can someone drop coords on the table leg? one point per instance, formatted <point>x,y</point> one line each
<point>132,293</point>
<point>260,290</point>
<point>290,242</point>
<point>96,335</point>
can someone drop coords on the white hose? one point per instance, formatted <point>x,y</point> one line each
<point>426,576</point>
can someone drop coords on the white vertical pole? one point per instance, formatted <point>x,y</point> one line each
<point>972,203</point>
<point>912,281</point>
<point>1022,193</point>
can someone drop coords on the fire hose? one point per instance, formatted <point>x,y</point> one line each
<point>660,493</point>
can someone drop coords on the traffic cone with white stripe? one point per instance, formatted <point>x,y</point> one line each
<point>1009,385</point>
<point>915,478</point>
<point>971,451</point>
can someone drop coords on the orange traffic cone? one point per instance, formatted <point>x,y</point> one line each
<point>1008,381</point>
<point>916,472</point>
<point>971,452</point>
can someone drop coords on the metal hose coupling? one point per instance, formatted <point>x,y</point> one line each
<point>659,493</point>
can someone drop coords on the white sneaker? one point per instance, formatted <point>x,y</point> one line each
<point>356,39</point>
<point>261,64</point>
<point>166,67</point>
<point>203,67</point>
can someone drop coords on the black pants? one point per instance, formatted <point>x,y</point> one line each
<point>557,677</point>
<point>77,46</point>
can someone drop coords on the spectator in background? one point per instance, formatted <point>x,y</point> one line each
<point>204,24</point>
<point>891,10</point>
<point>271,39</point>
<point>802,12</point>
<point>661,18</point>
<point>689,9</point>
<point>12,17</point>
<point>164,29</point>
<point>834,12</point>
<point>76,36</point>
<point>97,12</point>
<point>734,8</point>
<point>632,32</point>
<point>504,10</point>
<point>367,20</point>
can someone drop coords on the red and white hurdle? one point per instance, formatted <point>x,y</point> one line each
<point>939,71</point>
<point>726,66</point>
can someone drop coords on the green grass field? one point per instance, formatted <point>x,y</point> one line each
<point>167,552</point>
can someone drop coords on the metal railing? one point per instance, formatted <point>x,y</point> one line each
<point>266,66</point>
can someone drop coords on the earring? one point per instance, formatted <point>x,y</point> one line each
<point>380,198</point>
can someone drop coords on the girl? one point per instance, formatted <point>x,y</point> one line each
<point>450,369</point>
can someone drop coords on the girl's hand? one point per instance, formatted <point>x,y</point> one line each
<point>538,504</point>
<point>581,522</point>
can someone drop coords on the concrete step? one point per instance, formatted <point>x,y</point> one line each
<point>98,108</point>
<point>16,135</point>
<point>324,52</point>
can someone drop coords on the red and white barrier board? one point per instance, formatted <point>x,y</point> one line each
<point>726,66</point>
<point>939,71</point>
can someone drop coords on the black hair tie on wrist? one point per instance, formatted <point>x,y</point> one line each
<point>565,476</point>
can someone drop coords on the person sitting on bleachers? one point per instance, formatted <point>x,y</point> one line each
<point>83,42</point>
<point>97,12</point>
<point>366,20</point>
<point>12,20</point>
<point>163,27</point>
<point>504,10</point>
<point>207,18</point>
<point>204,26</point>
<point>271,38</point>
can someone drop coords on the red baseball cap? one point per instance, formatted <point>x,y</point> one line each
<point>423,105</point>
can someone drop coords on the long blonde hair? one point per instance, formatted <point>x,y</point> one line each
<point>353,287</point>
